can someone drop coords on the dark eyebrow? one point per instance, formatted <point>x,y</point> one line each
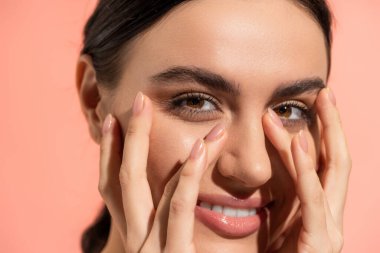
<point>212,80</point>
<point>198,75</point>
<point>298,87</point>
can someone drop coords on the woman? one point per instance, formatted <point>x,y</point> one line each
<point>216,129</point>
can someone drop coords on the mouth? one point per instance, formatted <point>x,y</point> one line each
<point>231,217</point>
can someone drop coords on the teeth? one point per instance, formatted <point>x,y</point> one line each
<point>229,211</point>
<point>242,213</point>
<point>218,209</point>
<point>205,205</point>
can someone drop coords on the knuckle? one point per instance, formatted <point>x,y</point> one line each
<point>348,162</point>
<point>168,190</point>
<point>102,148</point>
<point>338,242</point>
<point>317,198</point>
<point>177,206</point>
<point>124,176</point>
<point>187,172</point>
<point>103,187</point>
<point>136,129</point>
<point>343,161</point>
<point>132,129</point>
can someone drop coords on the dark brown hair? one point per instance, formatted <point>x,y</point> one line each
<point>112,27</point>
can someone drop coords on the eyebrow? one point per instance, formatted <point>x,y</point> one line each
<point>298,87</point>
<point>180,74</point>
<point>214,81</point>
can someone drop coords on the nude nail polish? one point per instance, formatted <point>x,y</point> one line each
<point>303,141</point>
<point>275,118</point>
<point>331,95</point>
<point>107,124</point>
<point>197,149</point>
<point>138,104</point>
<point>216,132</point>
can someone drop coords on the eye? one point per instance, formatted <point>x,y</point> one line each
<point>197,102</point>
<point>293,112</point>
<point>195,105</point>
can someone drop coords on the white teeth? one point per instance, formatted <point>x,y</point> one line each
<point>218,209</point>
<point>229,211</point>
<point>242,213</point>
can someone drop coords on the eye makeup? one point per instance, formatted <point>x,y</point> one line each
<point>196,106</point>
<point>294,113</point>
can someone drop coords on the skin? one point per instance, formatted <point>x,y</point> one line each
<point>259,45</point>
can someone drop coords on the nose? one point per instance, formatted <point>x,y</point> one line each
<point>245,158</point>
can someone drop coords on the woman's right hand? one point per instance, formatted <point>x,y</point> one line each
<point>126,192</point>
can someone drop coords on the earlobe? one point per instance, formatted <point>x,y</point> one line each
<point>89,95</point>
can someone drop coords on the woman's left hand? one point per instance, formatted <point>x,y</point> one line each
<point>322,197</point>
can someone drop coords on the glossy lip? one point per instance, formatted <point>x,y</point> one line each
<point>231,227</point>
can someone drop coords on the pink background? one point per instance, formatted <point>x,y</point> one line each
<point>49,164</point>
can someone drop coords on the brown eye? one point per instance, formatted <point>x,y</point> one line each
<point>195,102</point>
<point>195,106</point>
<point>284,111</point>
<point>292,111</point>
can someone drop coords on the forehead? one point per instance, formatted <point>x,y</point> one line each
<point>267,41</point>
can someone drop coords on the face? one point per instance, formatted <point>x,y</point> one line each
<point>227,61</point>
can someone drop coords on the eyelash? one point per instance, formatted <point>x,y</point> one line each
<point>175,105</point>
<point>307,113</point>
<point>194,114</point>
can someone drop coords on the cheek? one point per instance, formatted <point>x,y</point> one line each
<point>170,144</point>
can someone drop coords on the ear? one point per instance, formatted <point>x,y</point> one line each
<point>89,96</point>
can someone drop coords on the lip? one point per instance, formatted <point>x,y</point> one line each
<point>231,227</point>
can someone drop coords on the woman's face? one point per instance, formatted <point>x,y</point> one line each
<point>227,61</point>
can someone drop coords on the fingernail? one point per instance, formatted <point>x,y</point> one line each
<point>197,149</point>
<point>275,118</point>
<point>331,95</point>
<point>216,132</point>
<point>138,105</point>
<point>303,141</point>
<point>107,124</point>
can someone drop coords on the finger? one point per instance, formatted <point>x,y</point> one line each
<point>181,194</point>
<point>279,138</point>
<point>157,235</point>
<point>136,194</point>
<point>183,202</point>
<point>338,161</point>
<point>110,160</point>
<point>309,188</point>
<point>181,215</point>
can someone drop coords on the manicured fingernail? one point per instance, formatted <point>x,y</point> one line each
<point>107,124</point>
<point>216,132</point>
<point>303,141</point>
<point>197,149</point>
<point>331,95</point>
<point>275,118</point>
<point>138,105</point>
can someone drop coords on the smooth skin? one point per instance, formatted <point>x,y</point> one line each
<point>321,229</point>
<point>148,179</point>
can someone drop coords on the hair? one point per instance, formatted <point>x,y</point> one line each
<point>112,27</point>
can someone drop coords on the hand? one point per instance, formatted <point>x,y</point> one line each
<point>322,200</point>
<point>126,192</point>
